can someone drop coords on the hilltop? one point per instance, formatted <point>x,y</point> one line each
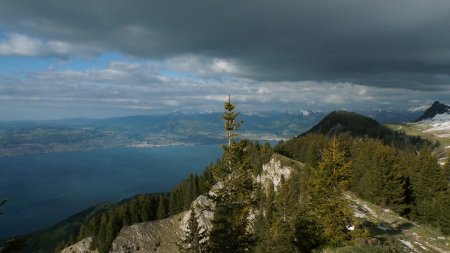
<point>351,123</point>
<point>357,125</point>
<point>435,109</point>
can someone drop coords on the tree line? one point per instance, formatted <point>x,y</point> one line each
<point>406,180</point>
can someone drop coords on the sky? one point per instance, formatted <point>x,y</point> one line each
<point>64,59</point>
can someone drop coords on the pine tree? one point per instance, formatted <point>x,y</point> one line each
<point>229,232</point>
<point>100,240</point>
<point>172,204</point>
<point>444,207</point>
<point>161,212</point>
<point>397,185</point>
<point>429,182</point>
<point>134,211</point>
<point>193,240</point>
<point>327,184</point>
<point>379,174</point>
<point>146,210</point>
<point>446,168</point>
<point>282,234</point>
<point>234,198</point>
<point>229,119</point>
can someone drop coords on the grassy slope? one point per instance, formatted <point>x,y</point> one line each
<point>419,129</point>
<point>400,234</point>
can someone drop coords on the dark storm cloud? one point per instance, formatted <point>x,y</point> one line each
<point>385,43</point>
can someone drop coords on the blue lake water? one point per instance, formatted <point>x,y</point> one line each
<point>44,189</point>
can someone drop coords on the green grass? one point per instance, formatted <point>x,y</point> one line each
<point>396,232</point>
<point>418,129</point>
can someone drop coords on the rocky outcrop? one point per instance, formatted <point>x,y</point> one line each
<point>150,237</point>
<point>162,236</point>
<point>80,247</point>
<point>203,207</point>
<point>271,176</point>
<point>273,172</point>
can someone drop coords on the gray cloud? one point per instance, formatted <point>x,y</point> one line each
<point>404,43</point>
<point>126,88</point>
<point>22,45</point>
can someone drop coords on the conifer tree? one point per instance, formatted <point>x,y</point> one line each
<point>146,210</point>
<point>446,168</point>
<point>444,207</point>
<point>134,211</point>
<point>282,234</point>
<point>230,122</point>
<point>429,182</point>
<point>397,185</point>
<point>379,174</point>
<point>328,182</point>
<point>229,232</point>
<point>193,240</point>
<point>234,198</point>
<point>161,212</point>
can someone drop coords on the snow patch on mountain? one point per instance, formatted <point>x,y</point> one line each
<point>440,122</point>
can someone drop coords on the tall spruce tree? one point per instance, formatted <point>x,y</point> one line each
<point>429,182</point>
<point>379,174</point>
<point>234,198</point>
<point>328,182</point>
<point>230,121</point>
<point>282,230</point>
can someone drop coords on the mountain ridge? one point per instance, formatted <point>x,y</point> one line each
<point>346,122</point>
<point>435,109</point>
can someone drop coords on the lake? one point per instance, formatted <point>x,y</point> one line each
<point>45,189</point>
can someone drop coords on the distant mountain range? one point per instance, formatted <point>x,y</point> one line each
<point>29,137</point>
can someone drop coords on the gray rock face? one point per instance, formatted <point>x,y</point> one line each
<point>203,207</point>
<point>150,237</point>
<point>272,173</point>
<point>80,247</point>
